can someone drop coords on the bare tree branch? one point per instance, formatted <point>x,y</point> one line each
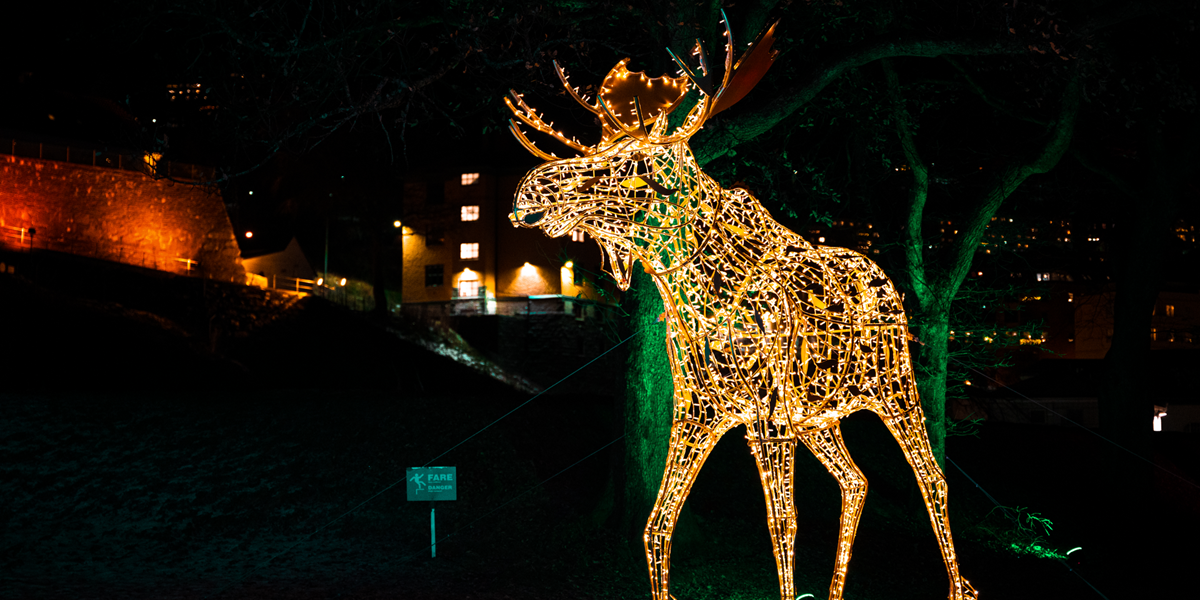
<point>918,192</point>
<point>714,143</point>
<point>1002,185</point>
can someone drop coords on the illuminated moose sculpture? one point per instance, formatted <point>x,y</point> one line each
<point>763,329</point>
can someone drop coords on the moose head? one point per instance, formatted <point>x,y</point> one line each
<point>636,188</point>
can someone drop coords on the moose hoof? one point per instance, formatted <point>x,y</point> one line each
<point>964,592</point>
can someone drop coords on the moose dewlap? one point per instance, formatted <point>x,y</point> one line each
<point>763,329</point>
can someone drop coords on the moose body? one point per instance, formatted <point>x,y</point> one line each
<point>763,329</point>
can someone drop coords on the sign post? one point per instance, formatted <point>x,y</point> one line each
<point>433,484</point>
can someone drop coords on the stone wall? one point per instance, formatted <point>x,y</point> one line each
<point>117,215</point>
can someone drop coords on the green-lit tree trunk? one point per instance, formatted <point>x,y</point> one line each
<point>935,284</point>
<point>648,399</point>
<point>932,361</point>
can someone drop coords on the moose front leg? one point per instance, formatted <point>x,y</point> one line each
<point>776,459</point>
<point>691,443</point>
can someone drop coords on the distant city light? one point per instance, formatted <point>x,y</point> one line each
<point>153,120</point>
<point>396,224</point>
<point>251,192</point>
<point>249,234</point>
<point>320,280</point>
<point>343,282</point>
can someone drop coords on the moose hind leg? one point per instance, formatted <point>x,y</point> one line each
<point>691,443</point>
<point>776,460</point>
<point>909,431</point>
<point>828,447</point>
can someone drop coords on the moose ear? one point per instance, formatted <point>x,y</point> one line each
<point>749,70</point>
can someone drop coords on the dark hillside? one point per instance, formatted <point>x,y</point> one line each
<point>82,324</point>
<point>141,459</point>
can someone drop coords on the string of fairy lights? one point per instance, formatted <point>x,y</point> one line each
<point>763,329</point>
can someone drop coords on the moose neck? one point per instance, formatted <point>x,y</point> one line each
<point>723,235</point>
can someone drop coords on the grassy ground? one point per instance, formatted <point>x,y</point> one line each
<point>224,480</point>
<point>183,496</point>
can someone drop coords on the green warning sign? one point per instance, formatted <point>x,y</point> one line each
<point>432,483</point>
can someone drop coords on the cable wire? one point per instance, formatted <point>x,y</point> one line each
<point>539,394</point>
<point>402,479</point>
<point>1010,516</point>
<point>513,499</point>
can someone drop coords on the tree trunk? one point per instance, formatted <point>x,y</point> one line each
<point>1139,271</point>
<point>936,284</point>
<point>648,399</point>
<point>931,362</point>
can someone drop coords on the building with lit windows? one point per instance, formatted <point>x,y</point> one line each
<point>462,256</point>
<point>534,305</point>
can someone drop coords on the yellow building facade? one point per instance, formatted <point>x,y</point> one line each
<point>461,250</point>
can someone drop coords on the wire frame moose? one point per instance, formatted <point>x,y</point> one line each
<point>763,329</point>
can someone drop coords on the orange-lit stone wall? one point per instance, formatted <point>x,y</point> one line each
<point>117,215</point>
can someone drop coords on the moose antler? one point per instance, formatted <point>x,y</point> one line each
<point>628,101</point>
<point>738,80</point>
<point>562,76</point>
<point>531,118</point>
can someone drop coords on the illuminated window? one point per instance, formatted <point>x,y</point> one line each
<point>578,236</point>
<point>470,178</point>
<point>469,251</point>
<point>468,284</point>
<point>1170,312</point>
<point>470,213</point>
<point>434,275</point>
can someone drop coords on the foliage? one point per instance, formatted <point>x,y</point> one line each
<point>1018,531</point>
